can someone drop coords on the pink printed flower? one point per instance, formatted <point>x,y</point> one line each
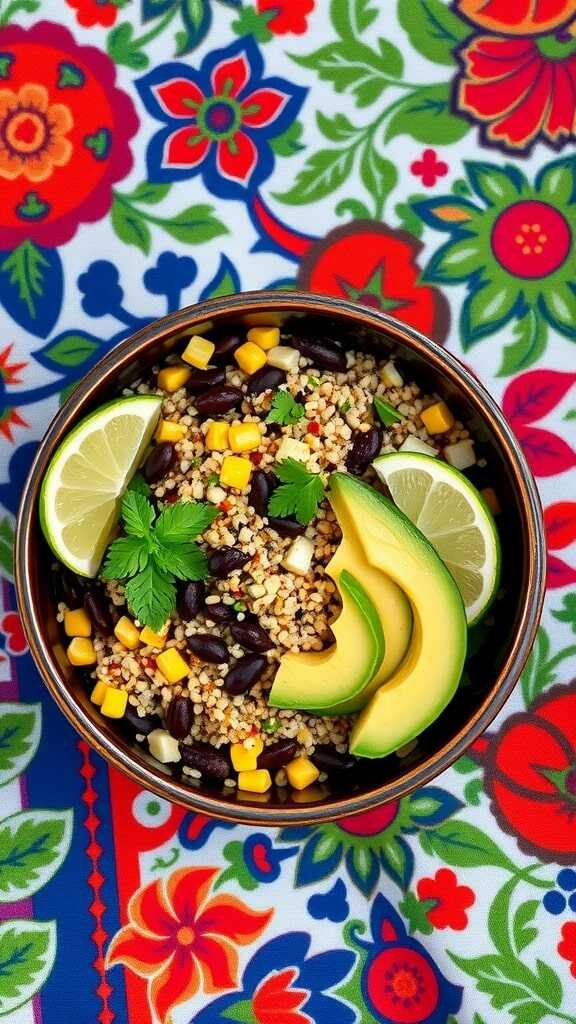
<point>182,941</point>
<point>560,526</point>
<point>526,400</point>
<point>290,16</point>
<point>451,900</point>
<point>429,168</point>
<point>219,119</point>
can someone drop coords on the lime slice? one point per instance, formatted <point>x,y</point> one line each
<point>454,517</point>
<point>88,474</point>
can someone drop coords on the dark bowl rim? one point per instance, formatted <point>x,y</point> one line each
<point>443,361</point>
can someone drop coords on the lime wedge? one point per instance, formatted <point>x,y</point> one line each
<point>88,474</point>
<point>451,513</point>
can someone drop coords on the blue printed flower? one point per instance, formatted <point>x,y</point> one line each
<point>282,985</point>
<point>101,289</point>
<point>400,981</point>
<point>171,271</point>
<point>555,902</point>
<point>219,119</point>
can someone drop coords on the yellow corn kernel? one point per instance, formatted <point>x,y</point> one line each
<point>77,623</point>
<point>244,437</point>
<point>198,352</point>
<point>169,431</point>
<point>217,436</point>
<point>152,639</point>
<point>171,378</point>
<point>81,651</point>
<point>264,337</point>
<point>301,772</point>
<point>245,755</point>
<point>127,633</point>
<point>114,703</point>
<point>437,418</point>
<point>99,692</point>
<point>491,499</point>
<point>250,357</point>
<point>256,781</point>
<point>235,472</point>
<point>172,665</point>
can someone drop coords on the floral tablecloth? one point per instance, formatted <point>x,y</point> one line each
<point>414,155</point>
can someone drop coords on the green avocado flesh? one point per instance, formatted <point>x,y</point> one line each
<point>428,677</point>
<point>326,681</point>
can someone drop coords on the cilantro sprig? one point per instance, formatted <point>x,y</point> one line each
<point>299,494</point>
<point>156,552</point>
<point>285,409</point>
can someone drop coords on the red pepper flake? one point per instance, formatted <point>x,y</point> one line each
<point>225,506</point>
<point>256,458</point>
<point>149,663</point>
<point>314,428</point>
<point>170,498</point>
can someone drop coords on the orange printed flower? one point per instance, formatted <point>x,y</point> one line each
<point>276,1002</point>
<point>33,139</point>
<point>518,17</point>
<point>181,941</point>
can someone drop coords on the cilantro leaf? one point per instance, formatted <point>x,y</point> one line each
<point>184,520</point>
<point>184,559</point>
<point>151,595</point>
<point>285,409</point>
<point>139,484</point>
<point>125,557</point>
<point>137,513</point>
<point>299,494</point>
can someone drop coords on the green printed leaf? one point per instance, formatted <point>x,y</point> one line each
<point>349,15</point>
<point>27,267</point>
<point>288,143</point>
<point>322,173</point>
<point>472,791</point>
<point>568,612</point>
<point>464,765</point>
<point>123,48</point>
<point>549,985</point>
<point>353,208</point>
<point>415,912</point>
<point>253,23</point>
<point>425,115</point>
<point>531,336</point>
<point>20,727</point>
<point>6,547</point>
<point>194,225</point>
<point>148,193</point>
<point>464,846</point>
<point>337,128</point>
<point>540,671</point>
<point>523,935</point>
<point>505,980</point>
<point>408,219</point>
<point>130,226</point>
<point>486,310</point>
<point>27,954</point>
<point>33,845</point>
<point>354,68</point>
<point>556,182</point>
<point>496,185</point>
<point>433,28</point>
<point>71,349</point>
<point>378,175</point>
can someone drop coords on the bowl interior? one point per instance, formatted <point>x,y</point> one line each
<point>497,647</point>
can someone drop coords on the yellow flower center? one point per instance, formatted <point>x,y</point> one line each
<point>25,131</point>
<point>531,239</point>
<point>404,984</point>
<point>185,936</point>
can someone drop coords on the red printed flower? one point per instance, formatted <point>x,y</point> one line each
<point>567,948</point>
<point>560,526</point>
<point>289,15</point>
<point>531,776</point>
<point>94,12</point>
<point>518,17</point>
<point>9,372</point>
<point>429,168</point>
<point>527,399</point>
<point>11,627</point>
<point>374,264</point>
<point>64,131</point>
<point>452,900</point>
<point>276,1002</point>
<point>180,940</point>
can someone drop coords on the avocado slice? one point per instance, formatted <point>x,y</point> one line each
<point>389,601</point>
<point>322,680</point>
<point>427,679</point>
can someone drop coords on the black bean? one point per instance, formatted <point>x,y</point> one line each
<point>209,648</point>
<point>218,400</point>
<point>261,490</point>
<point>244,674</point>
<point>206,759</point>
<point>69,587</point>
<point>327,759</point>
<point>218,612</point>
<point>324,354</point>
<point>286,527</point>
<point>277,755</point>
<point>226,561</point>
<point>137,725</point>
<point>249,634</point>
<point>266,379</point>
<point>226,343</point>
<point>365,447</point>
<point>159,462</point>
<point>96,607</point>
<point>201,380</point>
<point>180,717</point>
<point>190,599</point>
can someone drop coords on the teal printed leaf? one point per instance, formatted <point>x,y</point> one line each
<point>194,225</point>
<point>379,175</point>
<point>288,143</point>
<point>130,226</point>
<point>33,845</point>
<point>71,349</point>
<point>496,185</point>
<point>20,727</point>
<point>6,547</point>
<point>148,193</point>
<point>523,935</point>
<point>530,332</point>
<point>27,954</point>
<point>354,68</point>
<point>322,173</point>
<point>425,115</point>
<point>432,28</point>
<point>464,846</point>
<point>31,282</point>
